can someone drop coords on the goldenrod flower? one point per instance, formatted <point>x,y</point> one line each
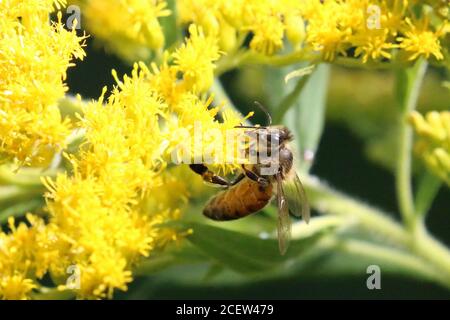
<point>104,216</point>
<point>34,57</point>
<point>195,60</point>
<point>15,287</point>
<point>25,254</point>
<point>373,46</point>
<point>419,40</point>
<point>433,145</point>
<point>226,20</point>
<point>129,28</point>
<point>268,34</point>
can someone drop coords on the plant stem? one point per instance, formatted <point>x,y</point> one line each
<point>53,294</point>
<point>434,252</point>
<point>231,61</point>
<point>435,255</point>
<point>408,88</point>
<point>25,178</point>
<point>329,201</point>
<point>249,57</point>
<point>220,96</point>
<point>394,258</point>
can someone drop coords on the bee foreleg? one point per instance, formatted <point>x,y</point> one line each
<point>208,175</point>
<point>255,177</point>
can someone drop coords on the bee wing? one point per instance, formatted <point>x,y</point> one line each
<point>284,221</point>
<point>296,198</point>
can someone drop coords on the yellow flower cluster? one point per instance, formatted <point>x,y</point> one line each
<point>106,213</point>
<point>129,28</point>
<point>433,145</point>
<point>370,29</point>
<point>231,21</point>
<point>26,250</point>
<point>34,57</point>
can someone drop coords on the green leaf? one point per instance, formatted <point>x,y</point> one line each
<point>306,117</point>
<point>407,86</point>
<point>428,187</point>
<point>169,25</point>
<point>20,209</point>
<point>246,253</point>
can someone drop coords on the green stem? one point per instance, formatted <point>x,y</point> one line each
<point>408,88</point>
<point>220,96</point>
<point>53,294</point>
<point>393,258</point>
<point>249,57</point>
<point>432,253</point>
<point>329,201</point>
<point>231,61</point>
<point>25,177</point>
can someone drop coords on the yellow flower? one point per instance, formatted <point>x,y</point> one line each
<point>35,56</point>
<point>324,33</point>
<point>195,60</point>
<point>102,215</point>
<point>268,34</point>
<point>229,21</point>
<point>129,28</point>
<point>15,287</point>
<point>433,145</point>
<point>105,216</point>
<point>25,254</point>
<point>419,40</point>
<point>373,46</point>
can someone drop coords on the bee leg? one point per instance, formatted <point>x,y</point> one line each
<point>238,179</point>
<point>255,177</point>
<point>208,175</point>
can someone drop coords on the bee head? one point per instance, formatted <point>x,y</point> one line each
<point>278,135</point>
<point>285,134</point>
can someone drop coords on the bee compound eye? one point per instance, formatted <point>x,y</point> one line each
<point>285,155</point>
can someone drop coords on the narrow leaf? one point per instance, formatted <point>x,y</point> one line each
<point>306,117</point>
<point>169,25</point>
<point>245,253</point>
<point>428,188</point>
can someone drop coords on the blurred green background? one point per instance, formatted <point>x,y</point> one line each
<point>355,156</point>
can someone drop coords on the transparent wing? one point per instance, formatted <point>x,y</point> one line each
<point>284,221</point>
<point>296,197</point>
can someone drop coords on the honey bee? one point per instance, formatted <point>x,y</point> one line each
<point>254,188</point>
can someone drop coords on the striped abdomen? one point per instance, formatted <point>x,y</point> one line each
<point>238,201</point>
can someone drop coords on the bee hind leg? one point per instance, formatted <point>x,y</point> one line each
<point>208,175</point>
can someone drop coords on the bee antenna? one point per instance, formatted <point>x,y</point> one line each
<point>264,109</point>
